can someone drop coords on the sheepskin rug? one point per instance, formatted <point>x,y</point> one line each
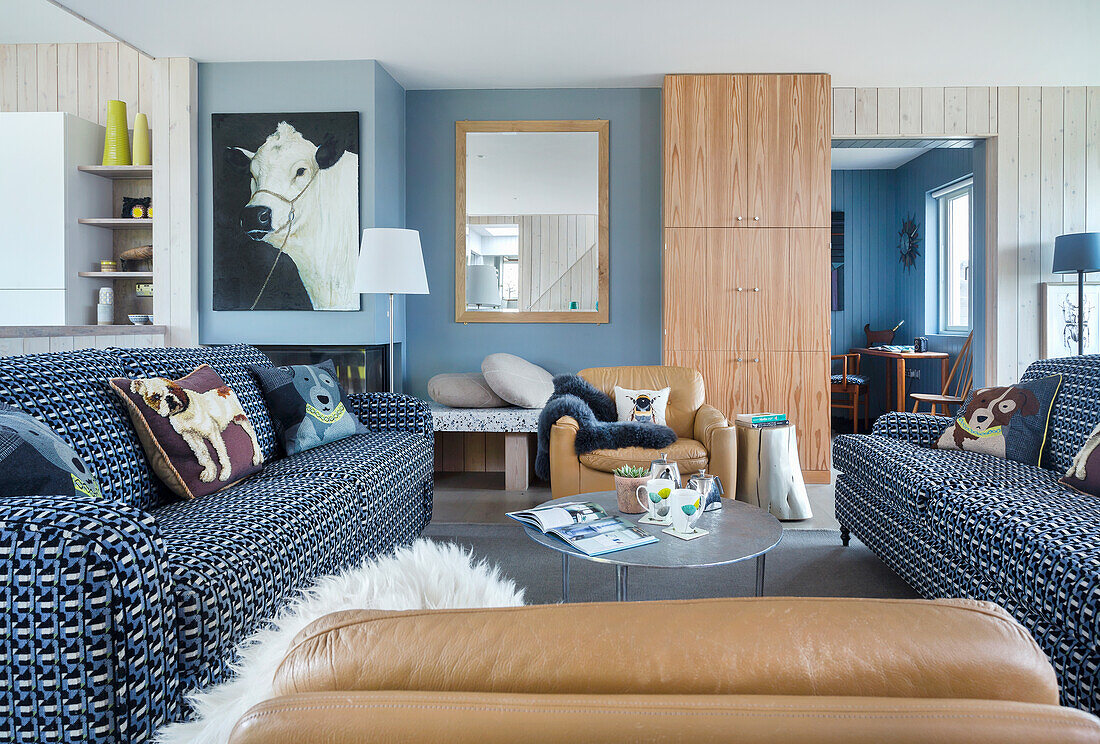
<point>423,575</point>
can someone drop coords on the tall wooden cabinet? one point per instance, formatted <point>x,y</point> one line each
<point>746,245</point>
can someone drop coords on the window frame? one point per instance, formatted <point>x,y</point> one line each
<point>943,197</point>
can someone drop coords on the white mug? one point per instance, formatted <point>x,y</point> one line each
<point>653,497</point>
<point>685,506</point>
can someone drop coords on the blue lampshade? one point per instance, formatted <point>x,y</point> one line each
<point>1076,252</point>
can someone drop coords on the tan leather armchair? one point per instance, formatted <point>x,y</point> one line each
<point>746,670</point>
<point>706,440</point>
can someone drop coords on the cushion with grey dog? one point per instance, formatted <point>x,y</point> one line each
<point>307,404</point>
<point>464,390</point>
<point>35,461</point>
<point>517,380</point>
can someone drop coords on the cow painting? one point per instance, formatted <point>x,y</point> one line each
<point>286,211</point>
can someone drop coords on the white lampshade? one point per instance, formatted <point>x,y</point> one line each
<point>482,286</point>
<point>390,261</point>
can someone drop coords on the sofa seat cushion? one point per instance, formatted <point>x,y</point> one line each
<point>70,393</point>
<point>1038,543</point>
<point>909,474</point>
<point>233,363</point>
<point>237,556</point>
<point>688,454</point>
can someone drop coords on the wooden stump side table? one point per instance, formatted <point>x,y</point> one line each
<point>769,474</point>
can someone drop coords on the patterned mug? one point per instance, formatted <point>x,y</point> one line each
<point>653,496</point>
<point>686,506</point>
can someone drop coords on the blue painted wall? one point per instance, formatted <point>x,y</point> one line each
<point>435,342</point>
<point>362,86</point>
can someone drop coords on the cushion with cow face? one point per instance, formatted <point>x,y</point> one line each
<point>194,431</point>
<point>35,461</point>
<point>308,405</point>
<point>642,406</point>
<point>1009,422</point>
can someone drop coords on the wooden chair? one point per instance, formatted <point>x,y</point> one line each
<point>961,376</point>
<point>852,385</point>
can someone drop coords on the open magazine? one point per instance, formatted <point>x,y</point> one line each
<point>585,526</point>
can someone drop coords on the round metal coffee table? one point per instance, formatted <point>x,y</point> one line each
<point>738,532</point>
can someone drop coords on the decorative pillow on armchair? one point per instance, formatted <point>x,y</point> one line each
<point>1009,422</point>
<point>642,406</point>
<point>308,405</point>
<point>194,431</point>
<point>35,461</point>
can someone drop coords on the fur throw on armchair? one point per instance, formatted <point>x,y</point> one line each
<point>595,411</point>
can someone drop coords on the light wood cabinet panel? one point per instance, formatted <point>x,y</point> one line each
<point>685,287</point>
<point>810,188</point>
<point>809,317</point>
<point>747,291</point>
<point>768,156</point>
<point>726,148</point>
<point>685,154</point>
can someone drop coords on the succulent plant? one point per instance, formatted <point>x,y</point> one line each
<point>630,471</point>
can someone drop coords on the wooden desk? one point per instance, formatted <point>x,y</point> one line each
<point>900,358</point>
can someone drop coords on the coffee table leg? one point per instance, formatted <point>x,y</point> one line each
<point>760,575</point>
<point>620,583</point>
<point>564,577</point>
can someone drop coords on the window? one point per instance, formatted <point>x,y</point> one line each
<point>955,209</point>
<point>509,279</point>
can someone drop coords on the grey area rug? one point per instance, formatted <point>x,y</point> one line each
<point>806,563</point>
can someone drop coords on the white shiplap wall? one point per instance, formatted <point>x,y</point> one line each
<point>1045,162</point>
<point>80,79</point>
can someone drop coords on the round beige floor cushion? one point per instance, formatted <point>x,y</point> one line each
<point>517,380</point>
<point>464,390</point>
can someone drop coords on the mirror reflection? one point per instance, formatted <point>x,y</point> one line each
<point>532,221</point>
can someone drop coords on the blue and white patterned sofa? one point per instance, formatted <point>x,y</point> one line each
<point>962,524</point>
<point>115,608</point>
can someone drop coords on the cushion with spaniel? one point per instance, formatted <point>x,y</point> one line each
<point>1009,422</point>
<point>195,433</point>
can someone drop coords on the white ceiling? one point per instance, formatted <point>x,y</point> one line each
<point>874,158</point>
<point>582,43</point>
<point>41,22</point>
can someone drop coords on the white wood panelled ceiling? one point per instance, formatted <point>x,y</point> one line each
<point>617,43</point>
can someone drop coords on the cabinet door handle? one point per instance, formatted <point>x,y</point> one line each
<point>757,359</point>
<point>740,289</point>
<point>756,289</point>
<point>739,219</point>
<point>739,359</point>
<point>756,219</point>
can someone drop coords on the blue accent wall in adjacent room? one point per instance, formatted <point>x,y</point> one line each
<point>361,85</point>
<point>436,343</point>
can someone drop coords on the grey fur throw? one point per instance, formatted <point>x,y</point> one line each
<point>595,412</point>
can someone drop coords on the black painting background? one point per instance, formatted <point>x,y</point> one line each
<point>241,264</point>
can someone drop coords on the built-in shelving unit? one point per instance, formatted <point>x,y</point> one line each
<point>118,172</point>
<point>118,223</point>
<point>116,274</point>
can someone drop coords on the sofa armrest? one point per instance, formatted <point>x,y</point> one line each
<point>719,439</point>
<point>393,412</point>
<point>565,468</point>
<point>919,428</point>
<point>89,629</point>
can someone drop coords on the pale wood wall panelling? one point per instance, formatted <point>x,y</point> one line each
<point>1045,156</point>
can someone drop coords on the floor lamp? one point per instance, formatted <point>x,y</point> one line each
<point>1078,253</point>
<point>391,262</point>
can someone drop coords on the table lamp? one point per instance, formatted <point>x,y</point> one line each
<point>1080,253</point>
<point>391,262</point>
<point>482,285</point>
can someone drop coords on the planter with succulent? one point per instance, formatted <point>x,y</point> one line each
<point>627,480</point>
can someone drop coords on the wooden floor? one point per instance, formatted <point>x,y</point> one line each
<point>480,498</point>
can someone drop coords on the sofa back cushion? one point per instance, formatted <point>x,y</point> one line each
<point>1076,409</point>
<point>69,392</point>
<point>685,399</point>
<point>233,364</point>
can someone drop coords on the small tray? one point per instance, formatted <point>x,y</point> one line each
<point>682,536</point>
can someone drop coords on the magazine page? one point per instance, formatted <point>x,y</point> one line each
<point>547,518</point>
<point>604,536</point>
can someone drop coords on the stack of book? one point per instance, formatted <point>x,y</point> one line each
<point>762,420</point>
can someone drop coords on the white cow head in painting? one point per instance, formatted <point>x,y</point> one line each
<point>304,202</point>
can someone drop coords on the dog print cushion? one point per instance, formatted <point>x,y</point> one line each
<point>642,406</point>
<point>308,405</point>
<point>1083,474</point>
<point>35,461</point>
<point>196,435</point>
<point>1009,422</point>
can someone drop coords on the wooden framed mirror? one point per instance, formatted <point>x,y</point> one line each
<point>531,221</point>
